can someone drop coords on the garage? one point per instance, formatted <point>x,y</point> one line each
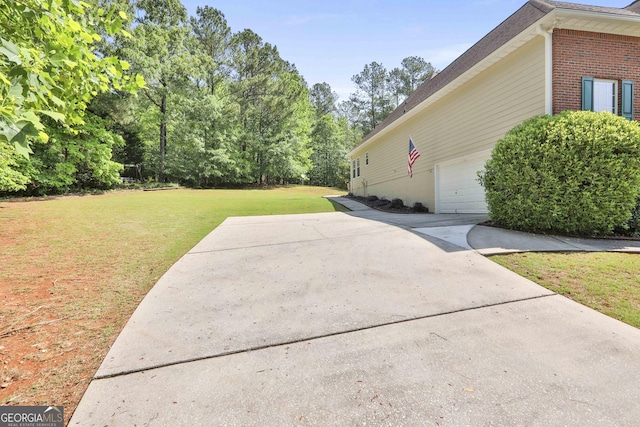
<point>457,186</point>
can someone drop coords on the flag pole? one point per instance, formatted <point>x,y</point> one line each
<point>407,181</point>
<point>413,155</point>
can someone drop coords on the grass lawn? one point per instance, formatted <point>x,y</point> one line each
<point>607,282</point>
<point>73,270</point>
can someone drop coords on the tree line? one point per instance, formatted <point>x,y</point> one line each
<point>380,91</point>
<point>184,100</point>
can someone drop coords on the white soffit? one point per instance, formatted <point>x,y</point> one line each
<point>628,25</point>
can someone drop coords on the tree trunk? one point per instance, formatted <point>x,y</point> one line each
<point>163,137</point>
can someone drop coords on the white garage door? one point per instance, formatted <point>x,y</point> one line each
<point>458,189</point>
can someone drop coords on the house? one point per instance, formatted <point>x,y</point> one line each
<point>545,58</point>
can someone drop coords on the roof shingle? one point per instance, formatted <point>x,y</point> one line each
<point>523,18</point>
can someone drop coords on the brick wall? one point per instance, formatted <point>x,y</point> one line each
<point>603,56</point>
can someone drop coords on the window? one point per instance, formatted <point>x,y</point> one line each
<point>353,168</point>
<point>605,96</point>
<point>602,95</point>
<point>366,159</point>
<point>358,166</point>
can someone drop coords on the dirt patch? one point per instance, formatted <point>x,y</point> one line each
<point>55,328</point>
<point>48,350</point>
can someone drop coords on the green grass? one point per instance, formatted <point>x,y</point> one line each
<point>607,282</point>
<point>135,236</point>
<point>87,261</point>
<point>131,230</point>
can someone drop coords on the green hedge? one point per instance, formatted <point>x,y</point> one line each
<point>631,228</point>
<point>577,173</point>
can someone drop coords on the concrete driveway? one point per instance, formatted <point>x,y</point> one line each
<point>352,319</point>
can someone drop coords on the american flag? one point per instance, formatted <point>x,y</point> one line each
<point>413,156</point>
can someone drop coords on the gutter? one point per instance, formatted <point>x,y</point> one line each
<point>548,67</point>
<point>566,12</point>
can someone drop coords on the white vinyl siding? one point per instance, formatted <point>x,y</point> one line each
<point>470,119</point>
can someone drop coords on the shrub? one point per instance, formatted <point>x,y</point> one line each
<point>632,226</point>
<point>69,161</point>
<point>576,172</point>
<point>397,204</point>
<point>419,207</point>
<point>11,179</point>
<point>381,202</point>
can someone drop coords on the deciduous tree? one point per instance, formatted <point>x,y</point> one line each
<point>48,67</point>
<point>164,50</point>
<point>275,110</point>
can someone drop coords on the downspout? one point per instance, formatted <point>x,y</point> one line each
<point>352,169</point>
<point>548,68</point>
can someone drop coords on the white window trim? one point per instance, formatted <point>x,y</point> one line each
<point>615,94</point>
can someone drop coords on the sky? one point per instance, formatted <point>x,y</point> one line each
<point>332,40</point>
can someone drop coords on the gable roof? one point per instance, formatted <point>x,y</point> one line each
<point>634,7</point>
<point>523,18</point>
